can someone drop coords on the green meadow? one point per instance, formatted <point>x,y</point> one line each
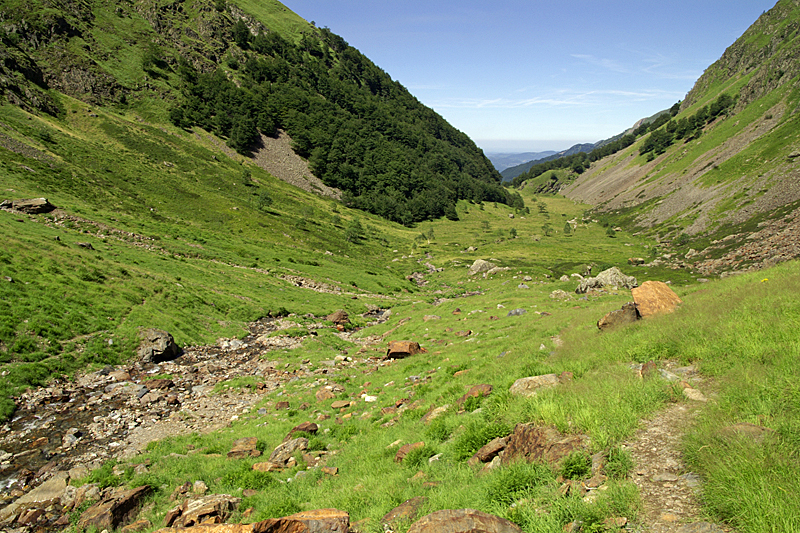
<point>189,240</point>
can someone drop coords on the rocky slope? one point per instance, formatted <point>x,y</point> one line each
<point>740,170</point>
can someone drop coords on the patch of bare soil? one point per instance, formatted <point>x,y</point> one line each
<point>669,491</point>
<point>275,155</point>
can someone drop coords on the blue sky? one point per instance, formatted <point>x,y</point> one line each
<point>540,75</point>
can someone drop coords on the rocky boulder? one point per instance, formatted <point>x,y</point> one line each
<point>489,451</point>
<point>654,297</point>
<point>476,391</point>
<point>403,349</point>
<point>406,511</point>
<point>305,427</point>
<point>286,450</point>
<point>530,443</point>
<point>340,317</point>
<point>243,448</point>
<point>405,450</point>
<point>613,277</point>
<point>215,508</point>
<point>463,521</point>
<point>481,266</point>
<point>157,346</point>
<point>31,206</point>
<point>114,510</point>
<point>531,385</point>
<point>316,521</point>
<point>626,315</point>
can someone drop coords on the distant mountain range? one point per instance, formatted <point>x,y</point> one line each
<point>504,160</point>
<point>510,172</point>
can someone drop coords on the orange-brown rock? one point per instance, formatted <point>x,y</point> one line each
<point>402,349</point>
<point>215,508</point>
<point>405,511</point>
<point>476,392</point>
<point>305,427</point>
<point>340,317</point>
<point>654,297</point>
<point>245,447</point>
<point>489,451</point>
<point>115,510</point>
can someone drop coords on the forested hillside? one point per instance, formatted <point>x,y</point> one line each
<point>241,70</point>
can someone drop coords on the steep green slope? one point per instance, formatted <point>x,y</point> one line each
<point>240,71</point>
<point>725,163</point>
<point>182,236</point>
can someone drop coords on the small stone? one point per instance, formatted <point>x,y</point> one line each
<point>199,487</point>
<point>267,467</point>
<point>615,522</point>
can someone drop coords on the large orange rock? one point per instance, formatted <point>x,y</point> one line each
<point>316,521</point>
<point>654,297</point>
<point>402,349</point>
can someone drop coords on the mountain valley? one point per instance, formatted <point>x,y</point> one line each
<point>248,280</point>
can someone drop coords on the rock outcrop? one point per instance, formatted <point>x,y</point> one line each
<point>30,206</point>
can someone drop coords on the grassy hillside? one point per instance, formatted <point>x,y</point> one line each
<point>724,163</point>
<point>245,70</point>
<point>166,225</point>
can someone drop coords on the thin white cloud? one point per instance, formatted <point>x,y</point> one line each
<point>561,98</point>
<point>608,64</point>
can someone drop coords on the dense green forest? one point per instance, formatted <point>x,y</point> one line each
<point>362,132</point>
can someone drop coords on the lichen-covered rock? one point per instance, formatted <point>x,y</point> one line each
<point>613,277</point>
<point>479,266</point>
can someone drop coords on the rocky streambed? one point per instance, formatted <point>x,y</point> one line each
<point>116,411</point>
